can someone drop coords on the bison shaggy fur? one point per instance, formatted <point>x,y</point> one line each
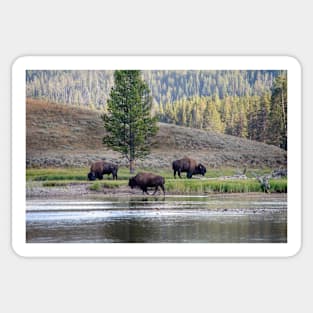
<point>99,168</point>
<point>145,180</point>
<point>190,166</point>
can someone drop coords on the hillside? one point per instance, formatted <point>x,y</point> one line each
<point>59,135</point>
<point>244,103</point>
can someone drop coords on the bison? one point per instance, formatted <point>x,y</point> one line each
<point>188,165</point>
<point>145,180</point>
<point>99,168</point>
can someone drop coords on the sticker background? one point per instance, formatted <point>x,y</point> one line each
<point>176,27</point>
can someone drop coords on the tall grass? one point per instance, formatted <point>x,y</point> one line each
<point>62,177</point>
<point>186,186</point>
<point>97,185</point>
<point>222,186</point>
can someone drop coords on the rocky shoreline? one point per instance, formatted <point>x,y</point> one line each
<point>73,190</point>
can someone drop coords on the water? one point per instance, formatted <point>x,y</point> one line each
<point>219,218</point>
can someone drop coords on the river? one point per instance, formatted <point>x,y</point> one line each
<point>243,218</point>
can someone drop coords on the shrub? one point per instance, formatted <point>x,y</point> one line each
<point>96,186</point>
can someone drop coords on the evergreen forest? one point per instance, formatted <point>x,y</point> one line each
<point>246,103</point>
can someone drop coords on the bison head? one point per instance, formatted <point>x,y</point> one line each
<point>132,182</point>
<point>91,176</point>
<point>201,169</point>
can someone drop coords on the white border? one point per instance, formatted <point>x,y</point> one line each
<point>22,64</point>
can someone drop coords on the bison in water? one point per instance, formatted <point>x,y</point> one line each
<point>99,168</point>
<point>188,165</point>
<point>145,180</point>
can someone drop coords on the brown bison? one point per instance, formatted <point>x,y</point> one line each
<point>145,180</point>
<point>99,168</point>
<point>188,165</point>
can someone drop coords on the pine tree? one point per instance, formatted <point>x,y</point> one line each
<point>263,117</point>
<point>183,114</point>
<point>277,131</point>
<point>241,123</point>
<point>252,117</point>
<point>226,114</point>
<point>211,117</point>
<point>128,121</point>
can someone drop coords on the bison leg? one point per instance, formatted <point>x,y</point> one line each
<point>155,190</point>
<point>145,190</point>
<point>179,173</point>
<point>174,174</point>
<point>189,174</point>
<point>162,187</point>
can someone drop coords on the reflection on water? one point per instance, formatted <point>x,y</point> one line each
<point>170,219</point>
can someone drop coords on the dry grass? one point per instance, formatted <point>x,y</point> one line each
<point>68,136</point>
<point>56,127</point>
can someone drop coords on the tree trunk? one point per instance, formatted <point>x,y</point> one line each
<point>132,166</point>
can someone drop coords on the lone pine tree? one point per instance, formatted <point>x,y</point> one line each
<point>128,121</point>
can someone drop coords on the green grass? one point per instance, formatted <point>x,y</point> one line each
<point>187,186</point>
<point>98,185</point>
<point>65,176</point>
<point>57,183</point>
<point>278,185</point>
<point>80,174</point>
<point>222,186</point>
<point>54,183</point>
<point>44,174</point>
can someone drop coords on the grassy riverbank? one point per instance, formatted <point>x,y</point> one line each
<point>223,186</point>
<point>216,180</point>
<point>80,173</point>
<point>183,186</point>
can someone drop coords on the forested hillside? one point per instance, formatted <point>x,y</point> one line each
<point>245,103</point>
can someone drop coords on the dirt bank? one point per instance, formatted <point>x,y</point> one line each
<point>35,190</point>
